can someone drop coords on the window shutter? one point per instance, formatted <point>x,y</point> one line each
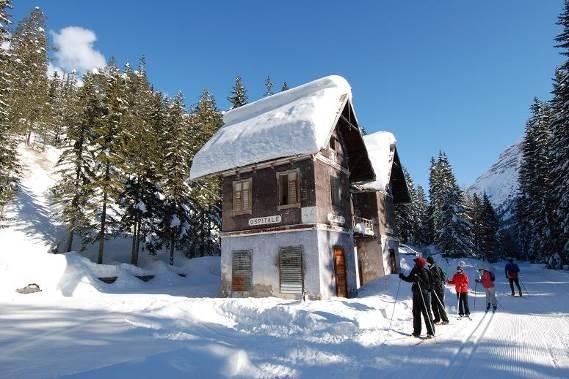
<point>291,270</point>
<point>292,188</point>
<point>246,196</point>
<point>241,271</point>
<point>237,196</point>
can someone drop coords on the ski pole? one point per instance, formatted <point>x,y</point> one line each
<point>394,304</point>
<point>443,309</point>
<point>475,287</point>
<point>426,311</point>
<point>524,286</point>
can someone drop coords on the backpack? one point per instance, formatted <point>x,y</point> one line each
<point>438,276</point>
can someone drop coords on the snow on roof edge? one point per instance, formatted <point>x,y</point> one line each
<point>381,150</point>
<point>291,123</point>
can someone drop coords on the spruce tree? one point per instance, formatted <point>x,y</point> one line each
<point>9,166</point>
<point>560,142</point>
<point>177,205</point>
<point>140,149</point>
<point>284,86</point>
<point>76,164</point>
<point>452,229</point>
<point>406,214</point>
<point>30,109</point>
<point>423,232</point>
<point>108,181</point>
<point>268,86</point>
<point>489,223</point>
<point>238,95</point>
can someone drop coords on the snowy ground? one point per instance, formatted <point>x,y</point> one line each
<point>175,326</point>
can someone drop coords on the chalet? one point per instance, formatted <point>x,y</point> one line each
<point>289,164</point>
<point>376,242</point>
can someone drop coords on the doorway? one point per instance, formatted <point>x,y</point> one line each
<point>340,270</point>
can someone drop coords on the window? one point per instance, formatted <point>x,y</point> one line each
<point>332,143</point>
<point>288,189</point>
<point>241,271</point>
<point>291,270</point>
<point>242,198</point>
<point>336,191</point>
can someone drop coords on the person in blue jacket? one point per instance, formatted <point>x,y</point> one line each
<point>512,272</point>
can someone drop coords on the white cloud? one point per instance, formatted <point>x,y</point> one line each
<point>74,50</point>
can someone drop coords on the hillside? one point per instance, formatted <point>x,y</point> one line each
<point>500,182</point>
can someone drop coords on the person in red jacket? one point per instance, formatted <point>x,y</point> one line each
<point>487,279</point>
<point>460,281</point>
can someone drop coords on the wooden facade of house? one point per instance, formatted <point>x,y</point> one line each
<point>288,220</point>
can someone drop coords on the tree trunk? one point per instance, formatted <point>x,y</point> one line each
<point>133,251</point>
<point>69,242</point>
<point>172,250</point>
<point>102,230</point>
<point>137,248</point>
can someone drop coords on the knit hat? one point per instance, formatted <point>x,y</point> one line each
<point>420,261</point>
<point>430,260</point>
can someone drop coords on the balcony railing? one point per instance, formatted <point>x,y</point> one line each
<point>363,226</point>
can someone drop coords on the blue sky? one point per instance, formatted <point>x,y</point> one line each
<point>449,75</point>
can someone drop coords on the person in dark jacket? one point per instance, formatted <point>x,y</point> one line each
<point>512,272</point>
<point>438,277</point>
<point>421,280</point>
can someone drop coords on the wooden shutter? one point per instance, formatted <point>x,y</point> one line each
<point>237,196</point>
<point>241,271</point>
<point>291,270</point>
<point>246,195</point>
<point>292,188</point>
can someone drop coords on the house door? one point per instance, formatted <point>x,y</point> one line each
<point>392,261</point>
<point>340,269</point>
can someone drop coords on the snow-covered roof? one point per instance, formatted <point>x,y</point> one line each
<point>381,151</point>
<point>291,123</point>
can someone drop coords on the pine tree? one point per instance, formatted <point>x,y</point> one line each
<point>238,95</point>
<point>30,110</point>
<point>268,86</point>
<point>9,166</point>
<point>490,224</point>
<point>205,119</point>
<point>535,207</point>
<point>76,164</point>
<point>108,179</point>
<point>406,214</point>
<point>284,86</point>
<point>177,205</point>
<point>423,233</point>
<point>452,229</point>
<point>139,200</point>
<point>560,142</point>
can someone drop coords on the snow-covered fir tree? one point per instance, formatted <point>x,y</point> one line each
<point>9,166</point>
<point>284,86</point>
<point>30,109</point>
<point>535,204</point>
<point>560,141</point>
<point>139,199</point>
<point>76,164</point>
<point>490,224</point>
<point>108,133</point>
<point>406,218</point>
<point>177,206</point>
<point>423,234</point>
<point>268,86</point>
<point>238,95</point>
<point>452,233</point>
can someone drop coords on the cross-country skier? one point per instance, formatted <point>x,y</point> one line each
<point>421,280</point>
<point>487,279</point>
<point>438,294</point>
<point>460,281</point>
<point>512,271</point>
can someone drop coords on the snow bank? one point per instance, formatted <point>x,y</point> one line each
<point>294,122</point>
<point>381,149</point>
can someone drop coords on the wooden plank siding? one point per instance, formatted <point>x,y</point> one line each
<point>265,201</point>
